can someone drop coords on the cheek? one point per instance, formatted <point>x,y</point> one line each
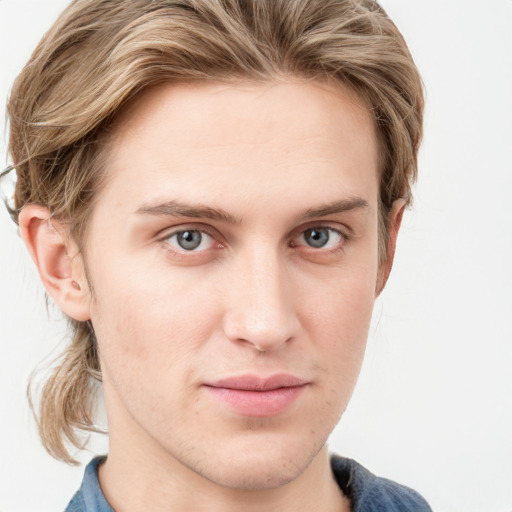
<point>339,321</point>
<point>343,303</point>
<point>146,322</point>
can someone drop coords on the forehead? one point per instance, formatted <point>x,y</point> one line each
<point>237,142</point>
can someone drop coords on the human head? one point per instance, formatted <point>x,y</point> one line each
<point>100,55</point>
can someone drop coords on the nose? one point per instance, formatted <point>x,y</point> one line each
<point>260,307</point>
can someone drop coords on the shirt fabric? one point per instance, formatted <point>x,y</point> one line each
<point>367,492</point>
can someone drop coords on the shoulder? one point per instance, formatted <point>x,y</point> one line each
<point>77,503</point>
<point>369,493</point>
<point>90,498</point>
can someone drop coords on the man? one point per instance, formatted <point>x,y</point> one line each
<point>211,192</point>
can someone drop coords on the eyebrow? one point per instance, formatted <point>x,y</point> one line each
<point>175,208</point>
<point>344,205</point>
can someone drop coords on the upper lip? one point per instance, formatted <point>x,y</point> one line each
<point>257,383</point>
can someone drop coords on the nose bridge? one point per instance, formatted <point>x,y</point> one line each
<point>260,310</point>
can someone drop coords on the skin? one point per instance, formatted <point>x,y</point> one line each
<point>255,297</point>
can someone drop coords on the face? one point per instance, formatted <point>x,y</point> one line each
<point>233,258</point>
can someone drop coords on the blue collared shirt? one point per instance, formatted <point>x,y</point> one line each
<point>90,497</point>
<point>367,492</point>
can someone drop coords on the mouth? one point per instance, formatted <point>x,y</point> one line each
<point>251,395</point>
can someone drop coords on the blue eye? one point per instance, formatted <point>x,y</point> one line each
<point>321,238</point>
<point>190,240</point>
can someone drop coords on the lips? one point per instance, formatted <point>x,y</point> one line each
<point>251,395</point>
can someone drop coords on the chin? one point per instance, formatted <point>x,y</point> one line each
<point>266,465</point>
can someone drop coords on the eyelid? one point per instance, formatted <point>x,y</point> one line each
<point>344,230</point>
<point>345,235</point>
<point>190,226</point>
<point>167,233</point>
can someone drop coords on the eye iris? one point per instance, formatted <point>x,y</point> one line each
<point>189,240</point>
<point>316,237</point>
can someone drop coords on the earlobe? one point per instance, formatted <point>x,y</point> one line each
<point>394,222</point>
<point>57,259</point>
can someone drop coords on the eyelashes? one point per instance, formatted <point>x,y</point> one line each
<point>190,240</point>
<point>319,237</point>
<point>197,243</point>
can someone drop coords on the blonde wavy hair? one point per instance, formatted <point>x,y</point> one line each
<point>100,54</point>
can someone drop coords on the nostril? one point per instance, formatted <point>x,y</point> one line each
<point>261,333</point>
<point>270,344</point>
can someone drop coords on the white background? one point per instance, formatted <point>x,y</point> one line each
<point>433,408</point>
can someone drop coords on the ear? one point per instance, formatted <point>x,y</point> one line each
<point>57,259</point>
<point>394,222</point>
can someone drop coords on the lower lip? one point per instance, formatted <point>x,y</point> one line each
<point>260,404</point>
